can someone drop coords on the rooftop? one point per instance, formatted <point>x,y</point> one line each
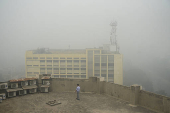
<point>88,103</point>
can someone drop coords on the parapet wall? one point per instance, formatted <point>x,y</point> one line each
<point>132,94</point>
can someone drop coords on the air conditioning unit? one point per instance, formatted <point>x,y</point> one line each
<point>44,89</point>
<point>4,86</point>
<point>31,82</point>
<point>33,90</point>
<point>12,94</point>
<point>24,83</point>
<point>23,92</point>
<point>45,82</point>
<point>0,99</point>
<point>35,82</point>
<point>3,96</point>
<point>14,85</point>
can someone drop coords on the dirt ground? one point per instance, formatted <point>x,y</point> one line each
<point>88,103</point>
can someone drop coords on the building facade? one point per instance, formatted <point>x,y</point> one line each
<point>79,64</point>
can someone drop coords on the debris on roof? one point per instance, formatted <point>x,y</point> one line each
<point>45,86</point>
<point>46,77</point>
<point>29,87</point>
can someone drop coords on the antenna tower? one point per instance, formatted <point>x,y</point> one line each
<point>113,40</point>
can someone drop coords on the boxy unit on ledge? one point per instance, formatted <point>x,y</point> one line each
<point>4,86</point>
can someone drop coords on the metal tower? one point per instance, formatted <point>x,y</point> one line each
<point>113,40</point>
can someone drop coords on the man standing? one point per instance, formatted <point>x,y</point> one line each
<point>78,91</point>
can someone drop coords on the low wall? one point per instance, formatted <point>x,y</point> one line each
<point>154,101</point>
<point>132,94</point>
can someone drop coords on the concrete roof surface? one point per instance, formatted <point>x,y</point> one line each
<point>88,103</point>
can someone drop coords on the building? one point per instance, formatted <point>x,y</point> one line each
<point>76,63</point>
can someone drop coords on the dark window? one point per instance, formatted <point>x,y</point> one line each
<point>83,76</point>
<point>103,75</point>
<point>29,57</point>
<point>35,57</point>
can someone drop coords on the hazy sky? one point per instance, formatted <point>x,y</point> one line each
<point>143,29</point>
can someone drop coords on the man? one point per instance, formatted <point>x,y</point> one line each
<point>78,91</point>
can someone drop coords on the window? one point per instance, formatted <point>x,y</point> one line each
<point>69,76</point>
<point>83,58</point>
<point>110,75</point>
<point>83,68</point>
<point>42,57</point>
<point>97,64</point>
<point>36,65</point>
<point>63,76</point>
<point>111,64</point>
<point>76,76</point>
<point>29,57</point>
<point>62,58</point>
<point>76,58</point>
<point>69,58</point>
<point>96,51</point>
<point>35,57</point>
<point>29,72</point>
<point>83,76</point>
<point>55,69</point>
<point>55,61</point>
<point>69,68</point>
<point>42,72</point>
<point>97,75</point>
<point>42,68</point>
<point>36,72</point>
<point>103,75</point>
<point>49,65</point>
<point>56,76</point>
<point>76,68</point>
<point>76,61</point>
<point>49,68</point>
<point>42,65</point>
<point>104,64</point>
<point>49,57</point>
<point>55,57</point>
<point>49,61</point>
<point>62,69</point>
<point>42,61</point>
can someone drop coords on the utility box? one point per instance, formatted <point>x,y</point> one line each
<point>23,92</point>
<point>31,82</point>
<point>31,89</point>
<point>24,83</point>
<point>34,90</point>
<point>44,88</point>
<point>3,95</point>
<point>4,86</point>
<point>14,85</point>
<point>35,82</point>
<point>0,99</point>
<point>11,92</point>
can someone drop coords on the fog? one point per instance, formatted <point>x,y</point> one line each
<point>143,33</point>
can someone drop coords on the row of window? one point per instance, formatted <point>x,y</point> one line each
<point>53,58</point>
<point>57,65</point>
<point>56,61</point>
<point>63,68</point>
<point>104,75</point>
<point>104,64</point>
<point>50,73</point>
<point>69,76</point>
